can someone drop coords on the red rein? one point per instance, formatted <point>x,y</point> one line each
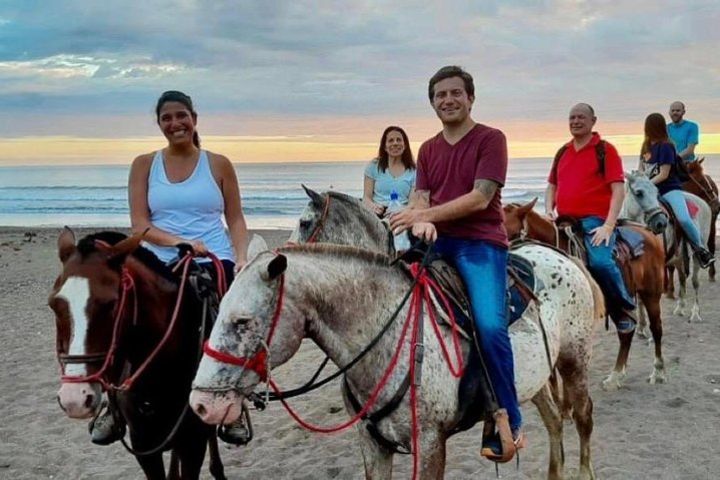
<point>128,284</point>
<point>420,294</point>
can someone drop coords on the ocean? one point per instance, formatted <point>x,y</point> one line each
<point>272,196</point>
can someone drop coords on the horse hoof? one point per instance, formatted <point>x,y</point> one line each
<point>656,378</point>
<point>611,385</point>
<point>695,317</point>
<point>643,333</point>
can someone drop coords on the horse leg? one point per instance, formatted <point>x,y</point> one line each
<point>376,459</point>
<point>577,382</point>
<point>680,305</point>
<point>652,304</point>
<point>642,326</point>
<point>217,470</point>
<point>191,451</point>
<point>711,244</point>
<point>695,311</point>
<point>550,415</point>
<point>174,468</point>
<point>152,466</point>
<point>432,455</point>
<point>615,379</point>
<point>670,282</point>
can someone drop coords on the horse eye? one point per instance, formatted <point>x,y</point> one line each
<point>240,321</point>
<point>305,224</point>
<point>640,193</point>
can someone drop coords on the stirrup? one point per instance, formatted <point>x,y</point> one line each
<point>106,428</point>
<point>499,428</point>
<point>239,432</point>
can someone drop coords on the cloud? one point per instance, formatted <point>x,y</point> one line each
<point>532,59</point>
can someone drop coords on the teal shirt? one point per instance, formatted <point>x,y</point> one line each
<point>683,134</point>
<point>385,183</point>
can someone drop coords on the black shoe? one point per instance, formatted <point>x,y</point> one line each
<point>106,429</point>
<point>235,434</point>
<point>704,257</point>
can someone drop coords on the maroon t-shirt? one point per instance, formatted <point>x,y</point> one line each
<point>449,171</point>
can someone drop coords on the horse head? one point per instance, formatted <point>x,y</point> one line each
<point>335,217</point>
<point>85,299</point>
<point>237,355</point>
<point>642,202</point>
<point>516,218</point>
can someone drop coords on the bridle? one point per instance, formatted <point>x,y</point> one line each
<point>127,285</point>
<point>321,221</point>
<point>258,362</point>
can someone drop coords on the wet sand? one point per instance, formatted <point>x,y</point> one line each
<point>642,431</point>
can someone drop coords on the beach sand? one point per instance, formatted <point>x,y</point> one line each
<point>641,431</point>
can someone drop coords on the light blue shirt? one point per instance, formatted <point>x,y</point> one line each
<point>385,183</point>
<point>683,134</point>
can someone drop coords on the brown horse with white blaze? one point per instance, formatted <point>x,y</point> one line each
<point>114,306</point>
<point>646,281</point>
<point>702,185</point>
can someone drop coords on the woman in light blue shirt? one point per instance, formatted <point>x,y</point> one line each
<point>392,171</point>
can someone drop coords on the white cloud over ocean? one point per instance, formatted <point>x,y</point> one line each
<point>531,59</point>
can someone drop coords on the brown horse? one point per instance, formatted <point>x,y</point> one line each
<point>113,303</point>
<point>704,187</point>
<point>646,281</point>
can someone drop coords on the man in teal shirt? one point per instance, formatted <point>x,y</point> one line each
<point>684,133</point>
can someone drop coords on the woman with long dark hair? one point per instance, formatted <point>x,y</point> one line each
<point>393,171</point>
<point>659,159</point>
<point>179,194</point>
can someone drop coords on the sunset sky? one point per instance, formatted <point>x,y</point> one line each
<point>303,81</point>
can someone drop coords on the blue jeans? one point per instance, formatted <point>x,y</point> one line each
<point>482,266</point>
<point>676,200</point>
<point>604,269</point>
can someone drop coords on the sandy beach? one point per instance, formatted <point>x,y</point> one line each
<point>642,431</point>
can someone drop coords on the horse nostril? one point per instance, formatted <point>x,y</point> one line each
<point>200,410</point>
<point>57,397</point>
<point>89,399</point>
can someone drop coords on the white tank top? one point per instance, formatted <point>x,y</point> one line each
<point>191,209</point>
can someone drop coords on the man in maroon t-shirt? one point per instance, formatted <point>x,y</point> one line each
<point>579,187</point>
<point>460,173</point>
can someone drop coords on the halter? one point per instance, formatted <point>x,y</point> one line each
<point>321,222</point>
<point>258,362</point>
<point>127,284</point>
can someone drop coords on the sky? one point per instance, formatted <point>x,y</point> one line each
<point>303,81</point>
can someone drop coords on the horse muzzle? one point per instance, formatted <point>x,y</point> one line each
<point>216,408</point>
<point>656,221</point>
<point>79,400</point>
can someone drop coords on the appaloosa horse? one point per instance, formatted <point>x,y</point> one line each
<point>114,303</point>
<point>642,198</point>
<point>329,288</point>
<point>702,185</point>
<point>646,281</point>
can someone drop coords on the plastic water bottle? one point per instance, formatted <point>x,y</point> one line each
<point>402,241</point>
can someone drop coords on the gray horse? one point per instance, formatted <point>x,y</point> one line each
<point>641,199</point>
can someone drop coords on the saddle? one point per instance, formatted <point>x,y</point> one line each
<point>475,394</point>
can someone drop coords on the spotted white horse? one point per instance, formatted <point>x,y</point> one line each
<point>329,289</point>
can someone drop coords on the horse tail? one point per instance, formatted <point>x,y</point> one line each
<point>599,310</point>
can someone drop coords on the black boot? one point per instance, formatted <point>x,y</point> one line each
<point>106,428</point>
<point>704,257</point>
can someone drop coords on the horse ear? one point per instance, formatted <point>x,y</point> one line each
<point>122,249</point>
<point>701,160</point>
<point>66,244</point>
<point>523,210</point>
<point>256,246</point>
<point>316,198</point>
<point>275,268</point>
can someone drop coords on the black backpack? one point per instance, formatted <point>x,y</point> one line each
<point>599,153</point>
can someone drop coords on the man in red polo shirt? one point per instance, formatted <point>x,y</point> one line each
<point>460,174</point>
<point>579,187</point>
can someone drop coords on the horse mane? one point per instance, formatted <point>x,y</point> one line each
<point>363,214</point>
<point>86,246</point>
<point>341,251</point>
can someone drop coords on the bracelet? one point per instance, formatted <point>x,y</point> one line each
<point>612,226</point>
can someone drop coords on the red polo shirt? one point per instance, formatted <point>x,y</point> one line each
<point>581,191</point>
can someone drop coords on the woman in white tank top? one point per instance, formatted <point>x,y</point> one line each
<point>182,192</point>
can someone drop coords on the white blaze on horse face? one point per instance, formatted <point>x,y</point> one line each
<point>76,292</point>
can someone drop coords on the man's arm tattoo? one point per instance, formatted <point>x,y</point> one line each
<point>486,187</point>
